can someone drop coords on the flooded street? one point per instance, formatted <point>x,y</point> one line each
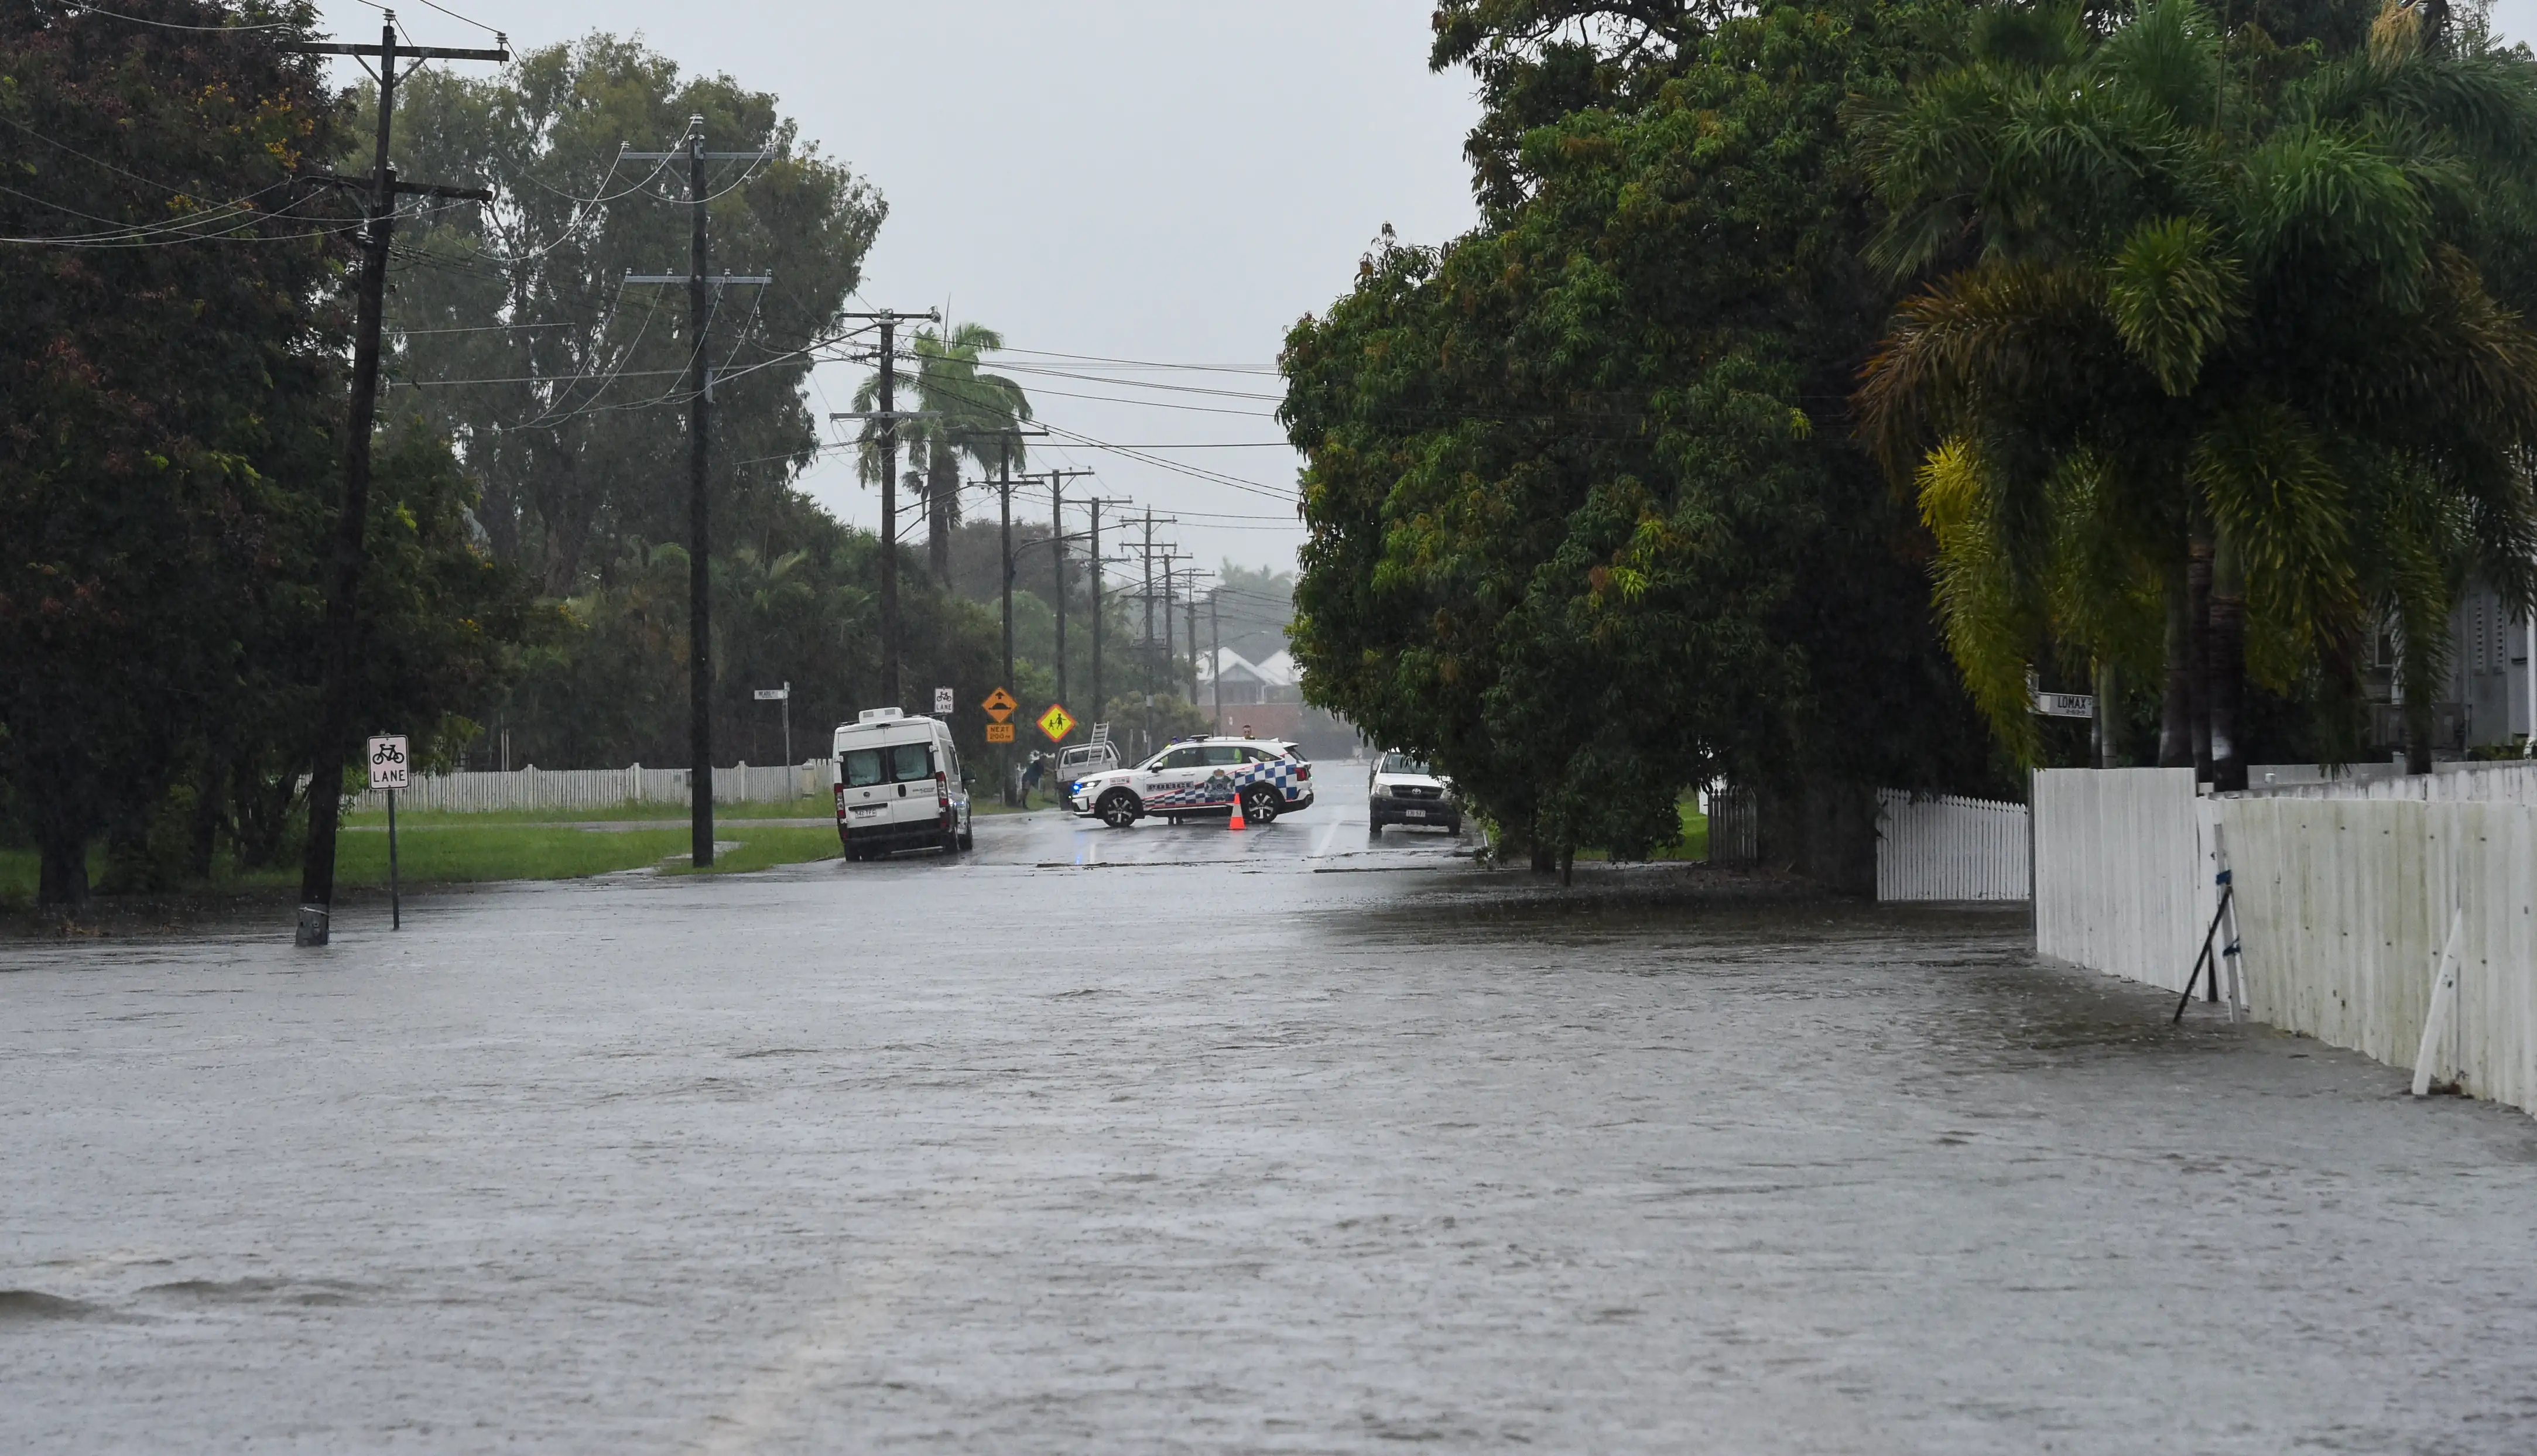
<point>1278,1140</point>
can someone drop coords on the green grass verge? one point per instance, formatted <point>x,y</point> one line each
<point>476,852</point>
<point>624,813</point>
<point>767,847</point>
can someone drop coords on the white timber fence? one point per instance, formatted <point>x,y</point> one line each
<point>600,788</point>
<point>2345,892</point>
<point>1939,846</point>
<point>2345,908</point>
<point>2120,878</point>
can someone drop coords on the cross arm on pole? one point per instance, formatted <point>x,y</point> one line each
<point>419,52</point>
<point>717,279</point>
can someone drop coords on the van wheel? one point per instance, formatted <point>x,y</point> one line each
<point>1260,805</point>
<point>1117,808</point>
<point>969,839</point>
<point>1373,829</point>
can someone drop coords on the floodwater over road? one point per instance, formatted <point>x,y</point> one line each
<point>1279,1142</point>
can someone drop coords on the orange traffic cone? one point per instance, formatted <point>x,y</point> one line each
<point>1237,812</point>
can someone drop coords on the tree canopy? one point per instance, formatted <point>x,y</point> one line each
<point>1585,526</point>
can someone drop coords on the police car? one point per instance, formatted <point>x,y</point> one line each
<point>1201,778</point>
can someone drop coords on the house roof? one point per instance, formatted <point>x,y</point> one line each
<point>1277,672</point>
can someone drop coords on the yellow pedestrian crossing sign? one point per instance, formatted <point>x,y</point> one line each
<point>1057,722</point>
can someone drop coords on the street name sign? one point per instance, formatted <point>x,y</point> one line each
<point>774,694</point>
<point>2065,705</point>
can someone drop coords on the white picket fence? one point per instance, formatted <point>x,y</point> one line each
<point>2344,894</point>
<point>1940,847</point>
<point>2120,877</point>
<point>600,788</point>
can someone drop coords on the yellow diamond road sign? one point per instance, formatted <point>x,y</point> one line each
<point>1057,722</point>
<point>999,705</point>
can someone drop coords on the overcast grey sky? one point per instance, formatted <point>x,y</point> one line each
<point>1166,181</point>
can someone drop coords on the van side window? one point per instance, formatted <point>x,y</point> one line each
<point>864,767</point>
<point>909,761</point>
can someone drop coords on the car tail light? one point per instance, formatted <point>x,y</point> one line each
<point>1303,771</point>
<point>942,788</point>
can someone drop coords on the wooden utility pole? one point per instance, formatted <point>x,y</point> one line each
<point>335,724</point>
<point>701,287</point>
<point>1215,657</point>
<point>1098,567</point>
<point>889,415</point>
<point>1057,547</point>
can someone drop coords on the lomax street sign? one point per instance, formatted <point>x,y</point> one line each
<point>388,766</point>
<point>774,694</point>
<point>2065,705</point>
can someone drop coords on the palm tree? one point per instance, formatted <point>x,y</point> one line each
<point>2209,334</point>
<point>964,411</point>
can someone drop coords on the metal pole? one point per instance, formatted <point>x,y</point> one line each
<point>396,898</point>
<point>1215,663</point>
<point>1148,654</point>
<point>1004,493</point>
<point>1098,706</point>
<point>788,725</point>
<point>700,806</point>
<point>1188,603</point>
<point>1057,545</point>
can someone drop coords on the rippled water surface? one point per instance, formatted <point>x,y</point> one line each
<point>1196,1148</point>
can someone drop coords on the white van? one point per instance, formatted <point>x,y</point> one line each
<point>899,785</point>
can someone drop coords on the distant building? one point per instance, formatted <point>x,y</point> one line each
<point>2487,703</point>
<point>1267,698</point>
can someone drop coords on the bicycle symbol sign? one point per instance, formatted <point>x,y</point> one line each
<point>388,766</point>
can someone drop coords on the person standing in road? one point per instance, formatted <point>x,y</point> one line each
<point>1032,773</point>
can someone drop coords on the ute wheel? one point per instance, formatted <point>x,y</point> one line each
<point>969,838</point>
<point>1260,805</point>
<point>1373,829</point>
<point>1117,808</point>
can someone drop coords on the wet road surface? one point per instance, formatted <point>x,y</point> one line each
<point>1202,1148</point>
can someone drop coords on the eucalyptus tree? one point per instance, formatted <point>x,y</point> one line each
<point>960,411</point>
<point>514,328</point>
<point>2207,340</point>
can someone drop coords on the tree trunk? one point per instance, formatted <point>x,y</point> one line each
<point>568,519</point>
<point>2197,649</point>
<point>942,493</point>
<point>2176,708</point>
<point>1567,867</point>
<point>203,833</point>
<point>2227,665</point>
<point>61,880</point>
<point>2416,690</point>
<point>2108,716</point>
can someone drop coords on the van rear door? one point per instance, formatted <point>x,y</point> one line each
<point>886,778</point>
